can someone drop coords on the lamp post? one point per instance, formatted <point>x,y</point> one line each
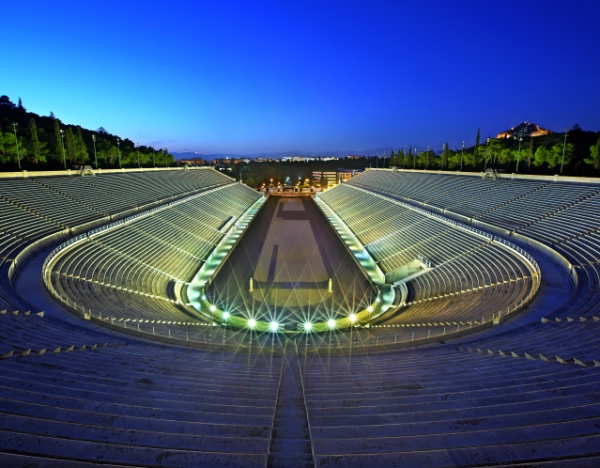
<point>138,153</point>
<point>119,150</point>
<point>62,144</point>
<point>519,153</point>
<point>414,156</point>
<point>427,162</point>
<point>153,159</point>
<point>462,155</point>
<point>562,162</point>
<point>95,155</point>
<point>486,154</point>
<point>17,143</point>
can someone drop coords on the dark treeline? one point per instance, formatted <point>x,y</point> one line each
<point>529,155</point>
<point>32,142</point>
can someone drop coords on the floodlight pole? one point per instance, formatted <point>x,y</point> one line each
<point>427,162</point>
<point>166,154</point>
<point>17,143</point>
<point>62,144</point>
<point>153,158</point>
<point>415,159</point>
<point>95,155</point>
<point>519,153</point>
<point>562,162</point>
<point>138,153</point>
<point>462,155</point>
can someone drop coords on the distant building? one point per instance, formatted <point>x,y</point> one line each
<point>191,162</point>
<point>346,174</point>
<point>354,156</point>
<point>524,129</point>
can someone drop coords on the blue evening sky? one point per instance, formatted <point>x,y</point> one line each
<point>258,76</point>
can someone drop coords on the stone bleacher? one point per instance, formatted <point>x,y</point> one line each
<point>462,262</point>
<point>524,393</point>
<point>131,271</point>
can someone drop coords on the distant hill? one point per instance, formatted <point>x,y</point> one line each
<point>524,129</point>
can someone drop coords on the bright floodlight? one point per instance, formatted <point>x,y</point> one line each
<point>251,323</point>
<point>370,309</point>
<point>225,315</point>
<point>273,326</point>
<point>203,298</point>
<point>307,326</point>
<point>212,308</point>
<point>331,323</point>
<point>377,300</point>
<point>352,318</point>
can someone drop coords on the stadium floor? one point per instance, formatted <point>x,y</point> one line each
<point>290,252</point>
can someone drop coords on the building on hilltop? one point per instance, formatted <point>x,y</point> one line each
<point>524,129</point>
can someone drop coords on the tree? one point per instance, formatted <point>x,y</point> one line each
<point>506,156</point>
<point>594,159</point>
<point>10,147</point>
<point>530,154</point>
<point>20,106</point>
<point>476,149</point>
<point>70,145</point>
<point>81,153</point>
<point>3,158</point>
<point>33,144</point>
<point>6,102</point>
<point>57,154</point>
<point>540,156</point>
<point>400,157</point>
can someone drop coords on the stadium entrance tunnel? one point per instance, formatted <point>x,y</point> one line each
<point>289,272</point>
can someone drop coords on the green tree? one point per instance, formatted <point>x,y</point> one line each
<point>594,159</point>
<point>57,154</point>
<point>476,149</point>
<point>506,156</point>
<point>70,146</point>
<point>10,147</point>
<point>554,156</point>
<point>33,144</point>
<point>494,149</point>
<point>530,153</point>
<point>3,158</point>
<point>81,153</point>
<point>400,158</point>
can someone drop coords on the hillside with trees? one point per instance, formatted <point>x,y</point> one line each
<point>32,142</point>
<point>529,155</point>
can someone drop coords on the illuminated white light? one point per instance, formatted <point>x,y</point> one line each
<point>370,309</point>
<point>251,323</point>
<point>203,298</point>
<point>273,326</point>
<point>307,326</point>
<point>212,308</point>
<point>331,323</point>
<point>377,300</point>
<point>352,318</point>
<point>225,315</point>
